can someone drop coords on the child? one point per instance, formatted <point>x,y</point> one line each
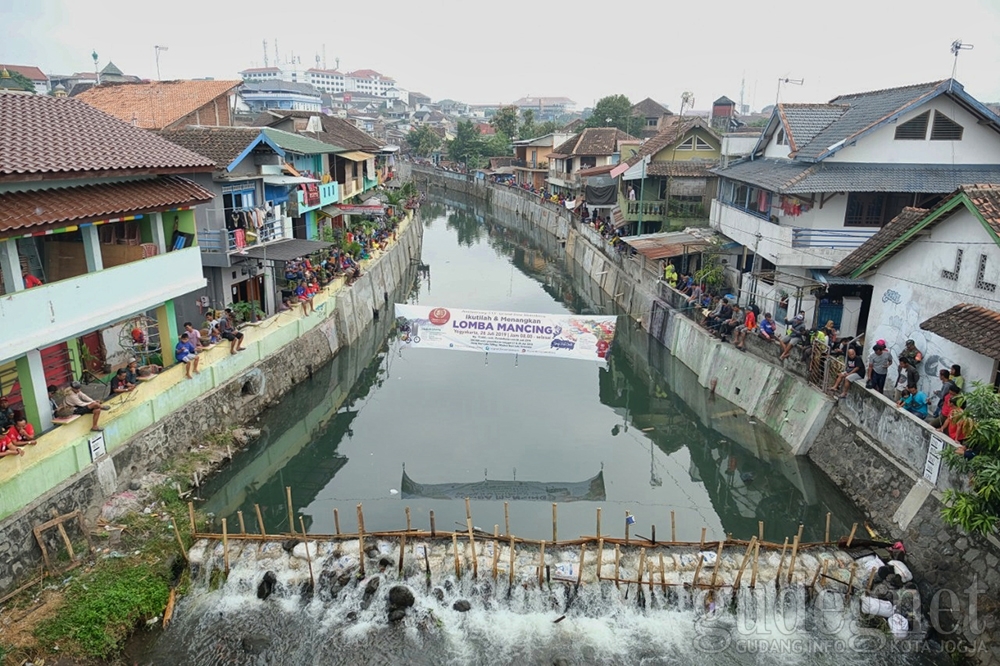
<point>22,433</point>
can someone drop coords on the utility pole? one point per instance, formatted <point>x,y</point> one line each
<point>265,53</point>
<point>157,49</point>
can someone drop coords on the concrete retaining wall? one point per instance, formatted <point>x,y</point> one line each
<point>229,392</point>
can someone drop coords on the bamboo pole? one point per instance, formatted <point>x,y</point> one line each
<point>402,551</point>
<point>871,581</point>
<point>653,537</point>
<point>827,538</point>
<point>506,519</point>
<point>819,568</point>
<point>850,581</point>
<point>496,551</point>
<point>579,574</point>
<point>468,509</point>
<point>243,528</point>
<point>781,564</point>
<point>598,522</point>
<point>180,541</point>
<point>225,545</point>
<point>472,546</point>
<point>260,520</point>
<point>408,527</point>
<point>541,563</point>
<point>454,550</point>
<point>743,564</point>
<point>291,513</point>
<point>191,517</point>
<point>618,560</point>
<point>639,571</point>
<point>663,574</point>
<point>753,575</point>
<point>795,552</point>
<point>336,521</point>
<point>511,573</point>
<point>850,539</point>
<point>309,560</point>
<point>555,537</point>
<point>361,540</point>
<point>433,529</point>
<point>627,526</point>
<point>673,528</point>
<point>718,563</point>
<point>822,580</point>
<point>697,571</point>
<point>702,545</point>
<point>760,530</point>
<point>600,557</point>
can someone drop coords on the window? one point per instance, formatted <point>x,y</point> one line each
<point>747,198</point>
<point>651,122</point>
<point>699,144</point>
<point>686,145</point>
<point>981,282</point>
<point>915,129</point>
<point>874,209</point>
<point>945,129</point>
<point>782,140</point>
<point>953,275</point>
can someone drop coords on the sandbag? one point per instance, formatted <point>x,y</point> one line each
<point>869,562</point>
<point>899,626</point>
<point>879,607</point>
<point>902,570</point>
<point>300,551</point>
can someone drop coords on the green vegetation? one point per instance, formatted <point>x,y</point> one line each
<point>617,108</point>
<point>23,81</point>
<point>423,140</point>
<point>978,509</point>
<point>529,130</point>
<point>505,121</point>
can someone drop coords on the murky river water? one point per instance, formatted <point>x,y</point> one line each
<point>391,428</point>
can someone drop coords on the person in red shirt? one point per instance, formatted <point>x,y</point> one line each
<point>749,325</point>
<point>30,280</point>
<point>21,433</point>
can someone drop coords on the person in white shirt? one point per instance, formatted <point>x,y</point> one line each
<point>82,404</point>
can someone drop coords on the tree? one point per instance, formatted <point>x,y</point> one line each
<point>423,140</point>
<point>616,107</point>
<point>504,121</point>
<point>528,128</point>
<point>978,509</point>
<point>467,146</point>
<point>548,127</point>
<point>495,145</point>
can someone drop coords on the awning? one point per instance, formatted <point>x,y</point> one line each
<point>826,278</point>
<point>287,249</point>
<point>666,245</point>
<point>356,156</point>
<point>348,209</point>
<point>288,180</point>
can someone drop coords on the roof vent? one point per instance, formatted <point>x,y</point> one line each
<point>315,124</point>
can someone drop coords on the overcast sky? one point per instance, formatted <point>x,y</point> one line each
<point>497,52</point>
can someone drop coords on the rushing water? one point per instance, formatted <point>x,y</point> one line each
<point>384,427</point>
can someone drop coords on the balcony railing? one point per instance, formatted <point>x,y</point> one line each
<point>217,241</point>
<point>51,313</point>
<point>848,239</point>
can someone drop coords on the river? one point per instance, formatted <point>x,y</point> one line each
<point>380,424</point>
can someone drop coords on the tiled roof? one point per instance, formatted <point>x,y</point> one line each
<point>111,69</point>
<point>804,121</point>
<point>668,136</point>
<point>794,177</point>
<point>596,171</point>
<point>865,110</point>
<point>723,101</point>
<point>220,144</point>
<point>593,141</point>
<point>29,72</point>
<point>985,199</point>
<point>971,326</point>
<point>336,131</point>
<point>33,210</point>
<point>365,74</point>
<point>692,169</point>
<point>882,239</point>
<point>52,135</point>
<point>649,108</point>
<point>155,104</point>
<point>300,143</point>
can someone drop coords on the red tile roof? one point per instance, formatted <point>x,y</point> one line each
<point>29,72</point>
<point>220,144</point>
<point>28,211</point>
<point>45,135</point>
<point>592,141</point>
<point>971,326</point>
<point>155,104</point>
<point>691,169</point>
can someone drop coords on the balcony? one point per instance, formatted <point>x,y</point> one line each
<point>785,245</point>
<point>223,241</point>
<point>562,179</point>
<point>352,187</point>
<point>328,194</point>
<point>369,183</point>
<point>45,315</point>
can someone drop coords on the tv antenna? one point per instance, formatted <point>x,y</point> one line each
<point>265,53</point>
<point>157,49</point>
<point>957,47</point>
<point>687,100</point>
<point>786,81</point>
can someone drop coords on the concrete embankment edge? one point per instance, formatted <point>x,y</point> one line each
<point>230,392</point>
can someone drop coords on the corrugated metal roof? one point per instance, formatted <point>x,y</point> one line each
<point>665,245</point>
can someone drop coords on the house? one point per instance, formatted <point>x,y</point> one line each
<point>159,105</point>
<point>593,147</point>
<point>263,210</point>
<point>933,276</point>
<point>546,108</point>
<point>369,81</point>
<point>651,117</point>
<point>724,115</point>
<point>824,178</point>
<point>33,74</point>
<point>667,180</point>
<point>102,213</point>
<point>283,95</point>
<point>531,165</point>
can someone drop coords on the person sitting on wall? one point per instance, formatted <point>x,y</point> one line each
<point>21,433</point>
<point>906,378</point>
<point>119,383</point>
<point>30,280</point>
<point>951,394</point>
<point>728,326</point>
<point>767,326</point>
<point>302,293</point>
<point>854,369</point>
<point>6,414</point>
<point>748,326</point>
<point>194,335</point>
<point>229,332</point>
<point>915,402</point>
<point>185,353</point>
<point>215,335</point>
<point>82,404</point>
<point>7,448</point>
<point>795,336</point>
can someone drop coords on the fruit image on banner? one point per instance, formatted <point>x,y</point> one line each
<point>562,335</point>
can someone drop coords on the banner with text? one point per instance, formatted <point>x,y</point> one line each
<point>562,335</point>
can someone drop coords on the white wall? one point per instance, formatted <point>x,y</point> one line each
<point>772,149</point>
<point>908,289</point>
<point>979,144</point>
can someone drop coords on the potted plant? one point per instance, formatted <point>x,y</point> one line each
<point>247,311</point>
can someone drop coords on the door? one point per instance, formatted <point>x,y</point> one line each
<point>299,227</point>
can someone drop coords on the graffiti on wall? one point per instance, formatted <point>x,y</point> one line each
<point>900,321</point>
